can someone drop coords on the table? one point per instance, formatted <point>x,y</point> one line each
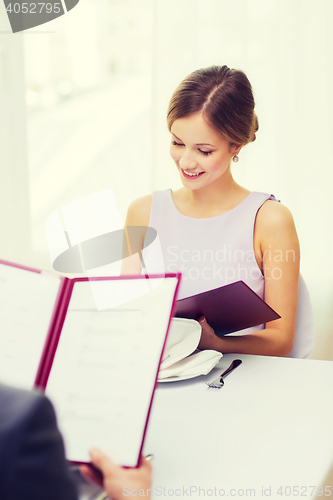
<point>267,433</point>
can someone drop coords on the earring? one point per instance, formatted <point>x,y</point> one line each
<point>235,159</point>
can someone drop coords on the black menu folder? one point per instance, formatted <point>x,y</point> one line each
<point>228,308</point>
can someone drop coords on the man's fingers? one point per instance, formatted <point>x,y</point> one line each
<point>90,474</point>
<point>108,468</point>
<point>102,461</point>
<point>144,463</point>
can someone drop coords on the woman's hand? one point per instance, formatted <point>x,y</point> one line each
<point>209,340</point>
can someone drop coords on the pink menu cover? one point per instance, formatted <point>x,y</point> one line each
<point>60,315</point>
<point>58,318</point>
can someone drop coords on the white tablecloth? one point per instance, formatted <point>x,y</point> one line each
<point>270,428</point>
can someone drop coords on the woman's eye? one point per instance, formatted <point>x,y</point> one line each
<point>174,143</point>
<point>206,153</point>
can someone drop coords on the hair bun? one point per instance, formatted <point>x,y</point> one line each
<point>255,127</point>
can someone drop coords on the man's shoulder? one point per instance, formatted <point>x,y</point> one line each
<point>15,399</point>
<point>18,406</point>
<point>31,447</point>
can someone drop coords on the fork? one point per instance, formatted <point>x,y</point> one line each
<point>219,382</point>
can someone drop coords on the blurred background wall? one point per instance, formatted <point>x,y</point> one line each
<point>83,101</point>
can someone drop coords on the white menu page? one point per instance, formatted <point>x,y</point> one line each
<point>27,300</point>
<point>104,370</point>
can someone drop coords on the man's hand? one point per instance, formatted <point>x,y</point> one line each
<point>117,481</point>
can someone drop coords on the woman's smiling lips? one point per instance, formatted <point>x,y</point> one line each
<point>191,175</point>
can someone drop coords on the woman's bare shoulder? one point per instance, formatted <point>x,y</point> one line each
<point>275,227</point>
<point>138,212</point>
<point>273,216</point>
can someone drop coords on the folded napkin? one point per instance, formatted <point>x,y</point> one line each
<point>178,360</point>
<point>197,364</point>
<point>183,339</point>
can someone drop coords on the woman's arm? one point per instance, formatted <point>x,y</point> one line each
<point>136,224</point>
<point>276,242</point>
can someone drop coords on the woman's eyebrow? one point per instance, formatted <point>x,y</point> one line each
<point>200,144</point>
<point>176,137</point>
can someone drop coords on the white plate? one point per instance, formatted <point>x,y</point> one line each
<point>178,379</point>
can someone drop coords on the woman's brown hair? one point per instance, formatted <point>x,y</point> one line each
<point>224,96</point>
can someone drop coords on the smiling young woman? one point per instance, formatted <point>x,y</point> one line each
<point>212,229</point>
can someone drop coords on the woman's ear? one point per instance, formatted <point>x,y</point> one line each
<point>237,149</point>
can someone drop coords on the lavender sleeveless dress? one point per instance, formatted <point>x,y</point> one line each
<point>209,252</point>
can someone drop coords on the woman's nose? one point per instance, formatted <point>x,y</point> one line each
<point>187,162</point>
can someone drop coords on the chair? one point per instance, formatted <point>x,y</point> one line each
<point>304,331</point>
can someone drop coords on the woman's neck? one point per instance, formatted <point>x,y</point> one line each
<point>214,199</point>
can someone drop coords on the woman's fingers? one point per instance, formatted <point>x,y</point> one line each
<point>208,338</point>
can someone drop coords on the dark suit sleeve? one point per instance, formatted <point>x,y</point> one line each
<point>40,470</point>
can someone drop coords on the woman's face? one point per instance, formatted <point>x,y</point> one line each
<point>201,154</point>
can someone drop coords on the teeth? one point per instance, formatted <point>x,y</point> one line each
<point>192,175</point>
